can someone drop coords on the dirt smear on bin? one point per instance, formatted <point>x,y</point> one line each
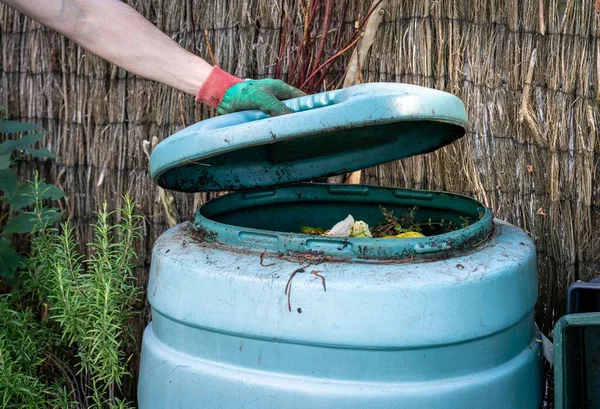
<point>309,260</point>
<point>199,233</point>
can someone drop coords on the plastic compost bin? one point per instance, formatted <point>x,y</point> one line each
<point>248,312</point>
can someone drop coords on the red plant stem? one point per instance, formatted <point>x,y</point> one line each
<point>282,42</point>
<point>331,59</point>
<point>292,66</point>
<point>309,15</point>
<point>359,30</point>
<point>324,32</point>
<point>308,45</point>
<point>304,66</point>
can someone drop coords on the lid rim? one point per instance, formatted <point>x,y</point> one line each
<point>157,172</point>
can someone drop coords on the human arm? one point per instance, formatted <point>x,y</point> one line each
<point>119,34</point>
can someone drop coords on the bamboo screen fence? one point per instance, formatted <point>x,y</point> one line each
<point>527,71</point>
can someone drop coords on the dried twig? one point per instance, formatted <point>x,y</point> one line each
<point>209,48</point>
<point>166,198</point>
<point>316,273</point>
<point>262,255</point>
<point>354,71</point>
<point>288,286</point>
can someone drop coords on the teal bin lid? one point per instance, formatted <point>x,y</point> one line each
<point>327,134</point>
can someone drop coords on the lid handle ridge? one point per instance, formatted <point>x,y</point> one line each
<point>315,101</point>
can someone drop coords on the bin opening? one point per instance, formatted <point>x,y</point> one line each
<point>291,217</point>
<point>271,220</point>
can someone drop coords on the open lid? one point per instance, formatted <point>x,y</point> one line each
<point>327,134</point>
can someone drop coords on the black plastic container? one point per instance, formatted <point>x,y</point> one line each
<point>584,297</point>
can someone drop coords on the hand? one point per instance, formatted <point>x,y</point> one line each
<point>264,95</point>
<point>228,94</point>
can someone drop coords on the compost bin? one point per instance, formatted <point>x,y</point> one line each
<point>248,312</point>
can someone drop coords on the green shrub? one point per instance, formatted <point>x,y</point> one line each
<point>19,195</point>
<point>23,346</point>
<point>64,331</point>
<point>90,300</point>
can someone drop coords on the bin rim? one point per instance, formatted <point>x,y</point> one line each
<point>341,248</point>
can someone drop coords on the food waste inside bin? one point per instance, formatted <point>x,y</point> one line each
<point>248,311</point>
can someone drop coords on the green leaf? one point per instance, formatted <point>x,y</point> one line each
<point>50,216</point>
<point>22,142</point>
<point>41,153</point>
<point>9,259</point>
<point>24,195</point>
<point>5,161</point>
<point>9,127</point>
<point>50,191</point>
<point>8,181</point>
<point>21,223</point>
<point>27,222</point>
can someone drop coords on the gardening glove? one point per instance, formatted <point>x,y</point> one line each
<point>229,93</point>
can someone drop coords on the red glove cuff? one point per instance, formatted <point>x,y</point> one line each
<point>213,89</point>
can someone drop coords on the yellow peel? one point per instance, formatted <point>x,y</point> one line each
<point>406,235</point>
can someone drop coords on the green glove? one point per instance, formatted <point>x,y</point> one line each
<point>265,95</point>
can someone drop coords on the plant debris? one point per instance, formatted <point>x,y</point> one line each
<point>341,229</point>
<point>392,227</point>
<point>262,261</point>
<point>313,231</point>
<point>360,229</point>
<point>406,235</point>
<point>346,228</point>
<point>316,273</point>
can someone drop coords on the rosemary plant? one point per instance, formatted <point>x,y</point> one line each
<point>85,304</point>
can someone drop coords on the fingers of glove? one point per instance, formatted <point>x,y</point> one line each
<point>264,95</point>
<point>254,100</point>
<point>288,92</point>
<point>272,106</point>
<point>259,97</point>
<point>279,88</point>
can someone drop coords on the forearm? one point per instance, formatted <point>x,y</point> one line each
<point>119,34</point>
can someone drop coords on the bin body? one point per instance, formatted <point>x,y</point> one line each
<point>257,328</point>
